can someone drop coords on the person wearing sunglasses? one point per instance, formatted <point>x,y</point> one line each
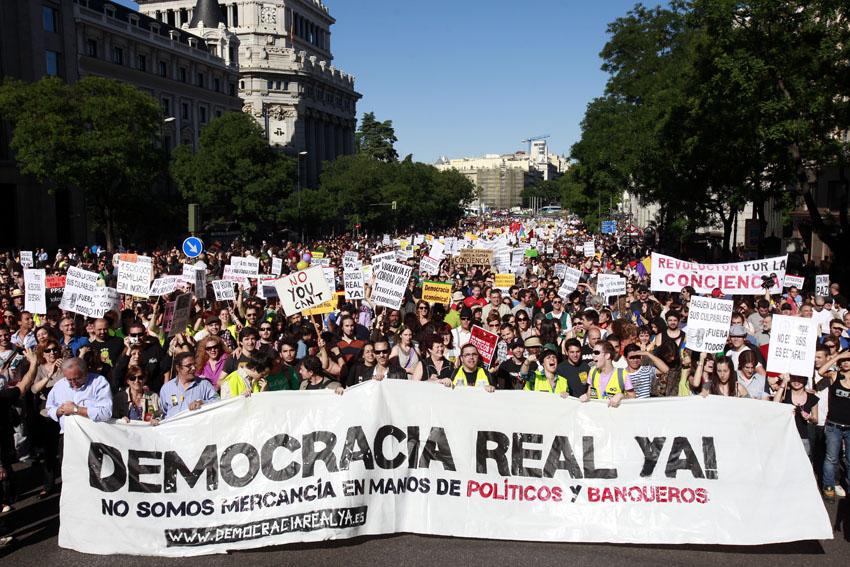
<point>46,431</point>
<point>151,358</point>
<point>134,402</point>
<point>462,333</point>
<point>605,381</point>
<point>384,367</point>
<point>641,375</point>
<point>210,359</point>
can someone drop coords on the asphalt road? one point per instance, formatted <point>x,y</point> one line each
<point>36,524</point>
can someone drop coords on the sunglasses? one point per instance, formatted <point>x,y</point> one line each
<point>212,347</point>
<point>269,329</point>
<point>137,335</point>
<point>382,351</point>
<point>52,350</point>
<point>597,352</point>
<point>423,308</point>
<point>636,357</point>
<point>135,378</point>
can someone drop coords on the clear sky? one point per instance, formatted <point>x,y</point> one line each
<point>468,77</point>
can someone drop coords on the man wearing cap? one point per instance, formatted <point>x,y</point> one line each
<point>640,306</point>
<point>453,316</point>
<point>547,379</point>
<point>462,333</point>
<point>738,344</point>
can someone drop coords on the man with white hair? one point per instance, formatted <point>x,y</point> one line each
<point>81,393</point>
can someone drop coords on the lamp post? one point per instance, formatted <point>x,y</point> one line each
<point>298,190</point>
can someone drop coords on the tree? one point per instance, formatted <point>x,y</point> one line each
<point>236,175</point>
<point>98,135</point>
<point>376,139</point>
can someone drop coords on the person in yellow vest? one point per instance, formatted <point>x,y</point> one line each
<point>470,372</point>
<point>546,378</point>
<point>604,381</point>
<point>250,378</point>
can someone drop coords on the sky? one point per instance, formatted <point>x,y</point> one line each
<point>462,78</point>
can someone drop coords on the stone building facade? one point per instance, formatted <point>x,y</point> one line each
<point>286,77</point>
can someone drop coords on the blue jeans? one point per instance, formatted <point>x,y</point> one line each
<point>834,438</point>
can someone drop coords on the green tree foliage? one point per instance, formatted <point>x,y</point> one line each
<point>711,104</point>
<point>358,189</point>
<point>376,139</point>
<point>235,174</point>
<point>98,135</point>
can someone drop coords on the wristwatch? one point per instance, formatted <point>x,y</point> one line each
<point>76,409</point>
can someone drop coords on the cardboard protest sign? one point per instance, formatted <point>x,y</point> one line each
<point>379,259</point>
<point>504,281</point>
<point>589,249</point>
<point>134,278</point>
<point>429,266</point>
<point>223,290</point>
<point>302,290</point>
<point>822,285</point>
<point>55,289</point>
<point>558,270</point>
<point>244,267</point>
<point>78,296</point>
<point>708,324</point>
<point>265,286</point>
<point>738,278</point>
<point>326,307</point>
<point>201,282</point>
<point>793,281</point>
<point>353,281</point>
<point>390,285</point>
<point>351,261</point>
<point>330,277</point>
<point>437,250</point>
<point>163,286</point>
<point>570,283</point>
<point>180,311</point>
<point>317,254</point>
<point>436,292</point>
<point>277,266</point>
<point>485,342</point>
<point>475,257</point>
<point>792,345</point>
<point>35,300</point>
<point>27,260</point>
<point>609,285</point>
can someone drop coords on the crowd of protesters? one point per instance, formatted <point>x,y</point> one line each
<point>580,345</point>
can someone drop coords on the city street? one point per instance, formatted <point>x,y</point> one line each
<point>37,525</point>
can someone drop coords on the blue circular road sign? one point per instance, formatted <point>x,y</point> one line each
<point>193,247</point>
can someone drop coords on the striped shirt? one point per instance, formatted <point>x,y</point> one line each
<point>642,380</point>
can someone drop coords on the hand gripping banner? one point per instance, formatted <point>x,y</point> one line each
<point>399,456</point>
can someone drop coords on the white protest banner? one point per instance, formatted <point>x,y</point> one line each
<point>353,280</point>
<point>302,290</point>
<point>386,241</point>
<point>589,249</point>
<point>229,275</point>
<point>188,275</point>
<point>200,282</point>
<point>79,294</point>
<point>379,259</point>
<point>570,283</point>
<point>609,285</point>
<point>367,272</point>
<point>822,285</point>
<point>277,266</point>
<point>106,299</point>
<point>708,324</point>
<point>429,266</point>
<point>265,286</point>
<point>351,261</point>
<point>180,316</point>
<point>329,274</point>
<point>485,341</point>
<point>794,281</point>
<point>390,285</point>
<point>438,250</point>
<point>35,291</point>
<point>403,456</point>
<point>134,278</point>
<point>450,243</point>
<point>223,290</point>
<point>163,286</point>
<point>27,260</point>
<point>559,270</point>
<point>403,255</point>
<point>792,345</point>
<point>244,267</point>
<point>739,278</point>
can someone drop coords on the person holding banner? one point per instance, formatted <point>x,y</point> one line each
<point>314,378</point>
<point>837,428</point>
<point>605,381</point>
<point>792,390</point>
<point>134,402</point>
<point>250,378</point>
<point>470,372</point>
<point>186,392</point>
<point>547,380</point>
<point>404,353</point>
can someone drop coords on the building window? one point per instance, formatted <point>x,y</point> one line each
<point>163,69</point>
<point>232,89</point>
<point>217,84</point>
<point>118,55</point>
<point>91,47</point>
<point>242,85</point>
<point>218,114</point>
<point>184,111</point>
<point>141,62</point>
<point>200,79</point>
<point>203,114</point>
<point>52,60</point>
<point>286,85</point>
<point>270,85</point>
<point>50,19</point>
<point>182,74</point>
<point>166,107</point>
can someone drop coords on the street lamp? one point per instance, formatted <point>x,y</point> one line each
<point>298,190</point>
